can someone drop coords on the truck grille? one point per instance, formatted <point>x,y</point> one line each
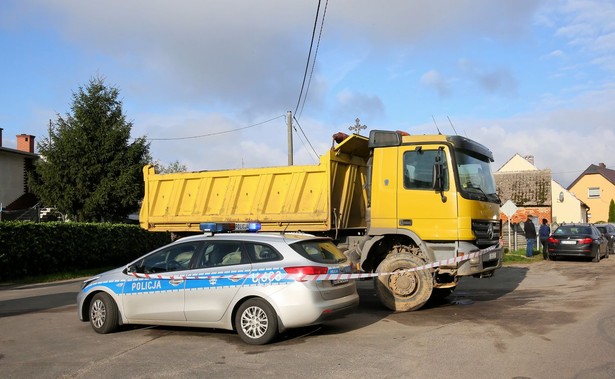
<point>487,232</point>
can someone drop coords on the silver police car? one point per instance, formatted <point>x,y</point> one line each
<point>254,283</point>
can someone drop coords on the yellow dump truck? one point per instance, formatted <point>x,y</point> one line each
<point>392,201</point>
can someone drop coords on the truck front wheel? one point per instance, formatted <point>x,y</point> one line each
<point>405,290</point>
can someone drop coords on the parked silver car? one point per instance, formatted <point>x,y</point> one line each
<point>248,282</point>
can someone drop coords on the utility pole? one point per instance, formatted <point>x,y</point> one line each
<point>289,122</point>
<point>357,126</point>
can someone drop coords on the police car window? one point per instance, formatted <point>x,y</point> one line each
<point>262,253</point>
<point>320,251</point>
<point>223,253</point>
<point>172,258</point>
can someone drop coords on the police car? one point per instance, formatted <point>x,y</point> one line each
<point>254,283</point>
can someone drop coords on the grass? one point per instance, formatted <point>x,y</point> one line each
<point>518,256</point>
<point>67,275</point>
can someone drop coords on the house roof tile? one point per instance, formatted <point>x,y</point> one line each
<point>608,174</point>
<point>525,188</point>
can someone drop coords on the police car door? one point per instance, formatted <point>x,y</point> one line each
<point>153,299</point>
<point>220,272</point>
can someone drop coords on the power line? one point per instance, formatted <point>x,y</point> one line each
<point>578,172</point>
<point>307,63</point>
<point>213,134</point>
<point>308,141</point>
<point>303,97</point>
<point>307,90</point>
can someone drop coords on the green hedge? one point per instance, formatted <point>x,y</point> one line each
<point>30,249</point>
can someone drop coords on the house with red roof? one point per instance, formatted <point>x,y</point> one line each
<point>596,188</point>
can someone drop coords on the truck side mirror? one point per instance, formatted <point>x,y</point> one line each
<point>437,179</point>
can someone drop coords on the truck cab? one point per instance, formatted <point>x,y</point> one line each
<point>430,199</point>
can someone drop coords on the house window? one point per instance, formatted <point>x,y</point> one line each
<point>593,192</point>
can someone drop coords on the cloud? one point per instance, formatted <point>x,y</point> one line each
<point>566,139</point>
<point>243,56</point>
<point>191,67</point>
<point>588,26</point>
<point>555,54</point>
<point>435,80</point>
<point>496,80</point>
<point>352,104</point>
<point>248,56</point>
<point>403,23</point>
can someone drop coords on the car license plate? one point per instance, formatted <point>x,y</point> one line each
<point>339,281</point>
<point>493,255</point>
<point>569,242</point>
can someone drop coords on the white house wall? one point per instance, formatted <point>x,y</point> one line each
<point>517,163</point>
<point>11,178</point>
<point>568,209</point>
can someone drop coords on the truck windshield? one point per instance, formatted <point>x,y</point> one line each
<point>475,177</point>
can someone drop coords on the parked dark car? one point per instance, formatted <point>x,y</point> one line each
<point>578,240</point>
<point>608,230</point>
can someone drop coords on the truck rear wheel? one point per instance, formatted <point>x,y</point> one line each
<point>406,291</point>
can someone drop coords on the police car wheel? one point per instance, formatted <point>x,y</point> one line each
<point>256,322</point>
<point>103,313</point>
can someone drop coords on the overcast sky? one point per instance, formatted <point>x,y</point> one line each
<point>533,77</point>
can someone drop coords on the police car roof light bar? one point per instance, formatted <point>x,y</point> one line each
<point>226,227</point>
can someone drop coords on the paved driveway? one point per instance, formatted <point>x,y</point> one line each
<point>545,320</point>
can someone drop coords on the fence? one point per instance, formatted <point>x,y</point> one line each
<point>28,214</point>
<point>514,237</point>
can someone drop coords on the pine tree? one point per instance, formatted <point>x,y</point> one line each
<point>89,170</point>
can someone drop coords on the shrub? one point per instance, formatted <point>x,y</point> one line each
<point>29,249</point>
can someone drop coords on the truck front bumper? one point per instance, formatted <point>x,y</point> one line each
<point>483,264</point>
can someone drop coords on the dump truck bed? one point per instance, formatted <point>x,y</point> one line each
<point>312,198</point>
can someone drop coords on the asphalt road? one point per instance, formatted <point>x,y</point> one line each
<point>545,320</point>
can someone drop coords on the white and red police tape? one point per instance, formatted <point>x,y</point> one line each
<point>277,275</point>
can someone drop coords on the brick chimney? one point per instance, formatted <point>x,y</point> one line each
<point>529,158</point>
<point>25,142</point>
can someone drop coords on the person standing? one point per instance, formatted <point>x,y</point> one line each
<point>530,236</point>
<point>543,233</point>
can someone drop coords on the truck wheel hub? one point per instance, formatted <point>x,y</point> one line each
<point>403,284</point>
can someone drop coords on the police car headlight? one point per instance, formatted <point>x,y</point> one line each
<point>88,281</point>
